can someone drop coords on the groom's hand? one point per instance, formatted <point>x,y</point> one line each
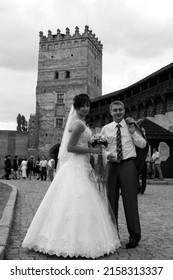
<point>131,128</point>
<point>111,158</point>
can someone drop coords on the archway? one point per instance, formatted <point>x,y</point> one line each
<point>54,152</point>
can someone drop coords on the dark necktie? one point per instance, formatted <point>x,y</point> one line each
<point>119,144</point>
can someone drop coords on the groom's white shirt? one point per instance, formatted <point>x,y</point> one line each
<point>129,141</point>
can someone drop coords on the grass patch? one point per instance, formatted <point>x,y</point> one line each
<point>5,192</point>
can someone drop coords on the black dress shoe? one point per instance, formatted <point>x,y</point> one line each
<point>133,241</point>
<point>132,244</point>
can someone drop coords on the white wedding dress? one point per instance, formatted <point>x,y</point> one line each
<point>72,219</point>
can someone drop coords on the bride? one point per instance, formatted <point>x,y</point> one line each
<point>73,220</point>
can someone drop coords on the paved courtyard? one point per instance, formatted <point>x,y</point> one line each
<point>156,213</point>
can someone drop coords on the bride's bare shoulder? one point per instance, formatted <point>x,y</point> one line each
<point>77,124</point>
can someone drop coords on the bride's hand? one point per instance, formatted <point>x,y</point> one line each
<point>97,150</point>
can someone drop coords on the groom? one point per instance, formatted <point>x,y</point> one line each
<point>121,172</point>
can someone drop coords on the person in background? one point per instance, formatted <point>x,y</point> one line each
<point>4,176</point>
<point>156,163</point>
<point>37,168</point>
<point>23,168</point>
<point>15,168</point>
<point>8,167</point>
<point>19,169</point>
<point>149,167</point>
<point>30,167</point>
<point>43,166</point>
<point>51,168</point>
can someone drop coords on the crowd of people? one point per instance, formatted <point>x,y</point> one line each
<point>40,169</point>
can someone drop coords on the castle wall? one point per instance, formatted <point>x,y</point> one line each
<point>13,143</point>
<point>94,71</point>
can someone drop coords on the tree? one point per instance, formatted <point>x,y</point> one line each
<point>21,123</point>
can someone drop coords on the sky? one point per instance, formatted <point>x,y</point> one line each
<point>137,38</point>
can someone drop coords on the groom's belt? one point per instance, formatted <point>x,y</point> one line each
<point>130,158</point>
<point>123,160</point>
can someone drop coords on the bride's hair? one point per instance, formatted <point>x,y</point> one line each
<point>80,100</point>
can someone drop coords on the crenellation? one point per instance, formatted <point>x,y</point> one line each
<point>50,37</point>
<point>58,36</point>
<point>77,34</point>
<point>41,34</point>
<point>42,37</point>
<point>67,36</point>
<point>60,40</point>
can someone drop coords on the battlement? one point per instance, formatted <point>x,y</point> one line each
<point>60,38</point>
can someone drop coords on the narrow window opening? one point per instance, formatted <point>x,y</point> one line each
<point>67,74</point>
<point>56,75</point>
<point>60,98</point>
<point>59,122</point>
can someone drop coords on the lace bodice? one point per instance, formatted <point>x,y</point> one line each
<point>82,159</point>
<point>85,137</point>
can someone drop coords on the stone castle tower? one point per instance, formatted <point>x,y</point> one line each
<point>67,65</point>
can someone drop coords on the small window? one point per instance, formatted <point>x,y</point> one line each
<point>60,98</point>
<point>56,75</point>
<point>59,122</point>
<point>159,108</point>
<point>94,80</point>
<point>67,74</point>
<point>169,105</point>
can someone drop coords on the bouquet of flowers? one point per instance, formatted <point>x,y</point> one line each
<point>98,140</point>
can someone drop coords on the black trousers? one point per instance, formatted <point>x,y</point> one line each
<point>124,176</point>
<point>8,172</point>
<point>43,173</point>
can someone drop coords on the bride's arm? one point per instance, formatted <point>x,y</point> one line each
<point>72,146</point>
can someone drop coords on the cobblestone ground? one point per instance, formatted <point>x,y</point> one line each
<point>155,208</point>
